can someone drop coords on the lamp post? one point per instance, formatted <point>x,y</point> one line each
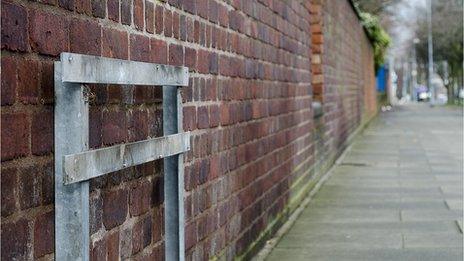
<point>430,52</point>
<point>414,68</point>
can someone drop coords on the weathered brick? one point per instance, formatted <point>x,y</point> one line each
<point>138,14</point>
<point>213,11</point>
<point>29,187</point>
<point>189,118</point>
<point>202,8</point>
<point>14,27</point>
<point>189,6</point>
<point>114,208</point>
<point>139,202</point>
<point>159,17</point>
<point>48,32</point>
<point>99,8</point>
<point>126,12</point>
<point>47,82</point>
<point>149,16</point>
<point>112,246</point>
<point>16,240</point>
<point>115,44</point>
<point>98,250</point>
<point>9,80</point>
<point>175,25</point>
<point>28,81</point>
<point>139,48</point>
<point>176,54</point>
<point>15,135</point>
<point>214,116</point>
<point>85,37</point>
<point>114,128</point>
<point>158,51</point>
<point>167,24</point>
<point>47,183</point>
<point>113,10</point>
<point>44,228</point>
<point>190,58</point>
<point>82,6</point>
<point>9,185</point>
<point>42,132</point>
<point>202,117</point>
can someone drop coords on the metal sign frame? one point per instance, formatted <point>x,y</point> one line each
<point>75,164</point>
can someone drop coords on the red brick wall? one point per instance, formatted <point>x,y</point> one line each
<point>347,65</point>
<point>248,107</point>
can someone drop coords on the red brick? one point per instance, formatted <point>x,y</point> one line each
<point>114,127</point>
<point>44,228</point>
<point>85,37</point>
<point>15,135</point>
<point>158,51</point>
<point>176,54</point>
<point>98,251</point>
<point>28,81</point>
<point>138,14</point>
<point>175,25</point>
<point>137,238</point>
<point>203,61</point>
<point>99,8</point>
<point>49,32</point>
<point>190,235</point>
<point>149,16</point>
<point>95,127</point>
<point>115,44</point>
<point>42,132</point>
<point>114,208</point>
<point>190,58</point>
<point>9,186</point>
<point>225,119</point>
<point>223,14</point>
<point>47,183</point>
<point>213,11</point>
<point>202,8</point>
<point>189,118</point>
<point>16,240</point>
<point>139,202</point>
<point>14,27</point>
<point>189,6</point>
<point>29,187</point>
<point>139,123</point>
<point>158,225</point>
<point>47,82</point>
<point>67,4</point>
<point>203,117</point>
<point>113,10</point>
<point>112,246</point>
<point>214,116</point>
<point>126,12</point>
<point>167,23</point>
<point>9,81</point>
<point>82,6</point>
<point>139,48</point>
<point>159,19</point>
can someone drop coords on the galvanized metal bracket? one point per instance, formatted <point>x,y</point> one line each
<point>75,164</point>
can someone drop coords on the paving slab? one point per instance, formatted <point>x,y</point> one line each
<point>397,194</point>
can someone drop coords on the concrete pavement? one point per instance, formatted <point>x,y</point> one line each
<point>396,195</point>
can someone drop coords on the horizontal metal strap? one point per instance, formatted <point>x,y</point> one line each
<point>79,68</point>
<point>94,163</point>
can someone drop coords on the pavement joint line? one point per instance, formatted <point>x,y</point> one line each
<point>272,243</point>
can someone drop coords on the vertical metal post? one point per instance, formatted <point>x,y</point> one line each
<point>71,201</point>
<point>173,178</point>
